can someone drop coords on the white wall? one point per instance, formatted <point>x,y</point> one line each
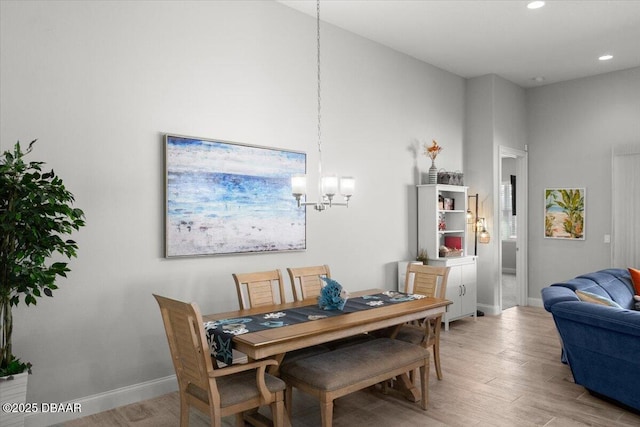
<point>100,82</point>
<point>572,127</point>
<point>495,116</point>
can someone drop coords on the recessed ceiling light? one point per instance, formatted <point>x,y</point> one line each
<point>605,57</point>
<point>538,79</point>
<point>535,4</point>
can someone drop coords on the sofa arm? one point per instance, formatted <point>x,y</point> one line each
<point>618,320</point>
<point>601,345</point>
<point>555,294</point>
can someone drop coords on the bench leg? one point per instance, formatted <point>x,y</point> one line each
<point>326,413</point>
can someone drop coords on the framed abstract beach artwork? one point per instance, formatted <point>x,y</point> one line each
<point>564,213</point>
<point>226,198</point>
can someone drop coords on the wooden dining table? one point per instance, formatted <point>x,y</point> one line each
<point>276,342</point>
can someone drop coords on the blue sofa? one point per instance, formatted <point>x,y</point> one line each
<point>600,343</point>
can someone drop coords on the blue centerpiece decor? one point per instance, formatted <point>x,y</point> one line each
<point>332,296</point>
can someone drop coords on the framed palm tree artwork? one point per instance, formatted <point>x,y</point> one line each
<point>564,213</point>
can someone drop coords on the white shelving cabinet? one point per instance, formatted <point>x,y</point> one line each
<point>431,235</point>
<point>462,282</point>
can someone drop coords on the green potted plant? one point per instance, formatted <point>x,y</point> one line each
<point>36,213</point>
<point>422,256</point>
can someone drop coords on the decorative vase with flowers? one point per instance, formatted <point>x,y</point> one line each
<point>432,151</point>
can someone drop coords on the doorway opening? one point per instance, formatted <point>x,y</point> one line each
<point>512,232</point>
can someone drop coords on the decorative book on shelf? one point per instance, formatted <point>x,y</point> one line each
<point>453,242</point>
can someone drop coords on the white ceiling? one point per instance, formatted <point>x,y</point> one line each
<point>561,41</point>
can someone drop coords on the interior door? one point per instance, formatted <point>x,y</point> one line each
<point>512,234</point>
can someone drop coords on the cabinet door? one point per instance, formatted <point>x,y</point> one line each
<point>469,289</point>
<point>454,292</point>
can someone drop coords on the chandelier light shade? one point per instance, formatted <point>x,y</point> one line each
<point>328,185</point>
<point>347,186</point>
<point>298,186</point>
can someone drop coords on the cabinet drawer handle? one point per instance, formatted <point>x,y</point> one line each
<point>464,289</point>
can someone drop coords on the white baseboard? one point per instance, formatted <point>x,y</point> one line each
<point>489,310</point>
<point>104,401</point>
<point>535,302</point>
<point>492,310</point>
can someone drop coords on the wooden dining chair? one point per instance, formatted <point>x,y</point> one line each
<point>260,288</point>
<point>306,282</point>
<point>216,392</point>
<point>429,281</point>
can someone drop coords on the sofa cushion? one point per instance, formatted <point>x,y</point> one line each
<point>635,279</point>
<point>596,299</point>
<point>612,283</point>
<point>616,282</point>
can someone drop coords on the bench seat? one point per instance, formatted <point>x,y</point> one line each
<point>339,372</point>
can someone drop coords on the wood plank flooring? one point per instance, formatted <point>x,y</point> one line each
<point>498,371</point>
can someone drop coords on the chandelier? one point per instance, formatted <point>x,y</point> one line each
<point>328,185</point>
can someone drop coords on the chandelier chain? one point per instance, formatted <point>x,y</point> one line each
<point>318,64</point>
<point>328,186</point>
<point>319,98</point>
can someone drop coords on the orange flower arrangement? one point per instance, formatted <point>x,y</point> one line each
<point>433,150</point>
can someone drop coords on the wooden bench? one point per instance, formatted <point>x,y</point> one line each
<point>340,372</point>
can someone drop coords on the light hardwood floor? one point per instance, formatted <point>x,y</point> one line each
<point>498,371</point>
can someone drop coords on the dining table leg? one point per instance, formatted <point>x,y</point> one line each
<point>403,382</point>
<point>408,389</point>
<point>256,419</point>
<point>275,369</point>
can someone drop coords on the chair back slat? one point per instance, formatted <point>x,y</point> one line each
<point>427,280</point>
<point>259,288</point>
<point>306,282</point>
